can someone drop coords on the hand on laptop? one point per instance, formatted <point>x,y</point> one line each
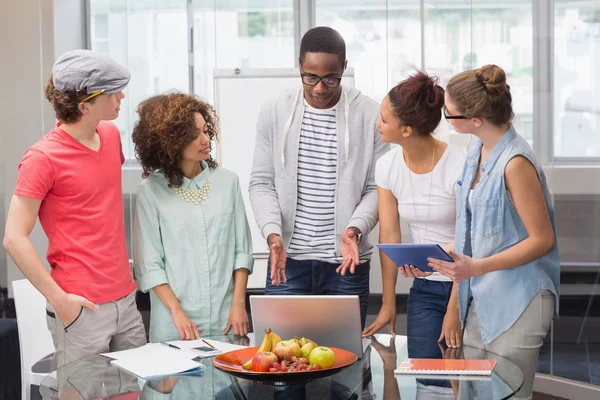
<point>408,271</point>
<point>350,253</point>
<point>278,258</point>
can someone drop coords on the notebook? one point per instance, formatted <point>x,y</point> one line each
<point>420,366</point>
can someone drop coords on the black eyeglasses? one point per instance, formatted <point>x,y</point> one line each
<point>448,117</point>
<point>313,80</point>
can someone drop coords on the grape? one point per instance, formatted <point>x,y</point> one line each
<point>284,363</point>
<point>284,369</point>
<point>276,365</point>
<point>303,360</point>
<point>316,367</point>
<point>294,359</point>
<point>273,369</point>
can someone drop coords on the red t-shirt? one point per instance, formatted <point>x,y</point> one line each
<point>81,211</point>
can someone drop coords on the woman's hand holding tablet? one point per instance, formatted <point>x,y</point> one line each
<point>415,255</point>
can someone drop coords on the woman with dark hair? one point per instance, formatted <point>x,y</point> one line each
<point>191,242</point>
<point>416,183</point>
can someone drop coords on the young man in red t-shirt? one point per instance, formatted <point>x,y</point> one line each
<point>71,179</point>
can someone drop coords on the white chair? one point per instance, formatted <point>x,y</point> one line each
<point>35,339</point>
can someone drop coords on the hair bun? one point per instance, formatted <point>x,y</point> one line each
<point>492,76</point>
<point>428,85</point>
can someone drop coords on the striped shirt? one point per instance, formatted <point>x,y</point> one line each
<point>314,228</point>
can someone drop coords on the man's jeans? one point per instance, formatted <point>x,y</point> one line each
<point>320,278</point>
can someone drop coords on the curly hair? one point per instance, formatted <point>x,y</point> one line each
<point>65,104</point>
<point>166,127</point>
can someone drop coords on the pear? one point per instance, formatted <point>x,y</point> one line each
<point>304,341</point>
<point>307,348</point>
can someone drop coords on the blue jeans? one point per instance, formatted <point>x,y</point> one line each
<point>319,278</point>
<point>427,304</point>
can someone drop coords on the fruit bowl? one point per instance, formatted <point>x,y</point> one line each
<point>231,362</point>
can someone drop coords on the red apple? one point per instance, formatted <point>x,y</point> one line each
<point>286,349</point>
<point>263,361</point>
<point>324,357</point>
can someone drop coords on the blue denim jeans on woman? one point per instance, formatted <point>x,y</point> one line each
<point>319,278</point>
<point>427,303</point>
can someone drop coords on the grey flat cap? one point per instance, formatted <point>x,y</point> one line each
<point>81,69</point>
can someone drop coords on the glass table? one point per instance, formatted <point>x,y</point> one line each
<point>371,377</point>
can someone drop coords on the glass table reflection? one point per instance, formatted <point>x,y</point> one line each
<point>371,377</point>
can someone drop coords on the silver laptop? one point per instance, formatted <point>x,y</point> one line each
<point>328,320</point>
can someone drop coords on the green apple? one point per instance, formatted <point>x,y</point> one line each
<point>307,349</point>
<point>324,357</point>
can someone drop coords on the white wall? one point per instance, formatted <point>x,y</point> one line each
<point>27,46</point>
<point>70,24</point>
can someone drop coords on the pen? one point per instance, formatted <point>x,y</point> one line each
<point>171,346</point>
<point>208,343</point>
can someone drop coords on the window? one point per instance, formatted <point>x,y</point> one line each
<point>380,39</point>
<point>466,35</point>
<point>240,34</point>
<point>576,80</point>
<point>383,40</point>
<point>151,40</point>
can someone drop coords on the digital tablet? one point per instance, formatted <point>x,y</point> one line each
<point>414,254</point>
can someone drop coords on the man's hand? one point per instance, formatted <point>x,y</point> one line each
<point>69,308</point>
<point>185,326</point>
<point>350,254</point>
<point>278,258</point>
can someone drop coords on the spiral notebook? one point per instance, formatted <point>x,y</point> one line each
<point>425,366</point>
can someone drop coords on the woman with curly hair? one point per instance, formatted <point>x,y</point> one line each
<point>191,241</point>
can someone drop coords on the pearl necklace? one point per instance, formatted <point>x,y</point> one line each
<point>195,196</point>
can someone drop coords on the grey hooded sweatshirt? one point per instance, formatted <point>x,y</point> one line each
<point>273,180</point>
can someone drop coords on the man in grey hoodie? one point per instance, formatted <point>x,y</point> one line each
<point>312,184</point>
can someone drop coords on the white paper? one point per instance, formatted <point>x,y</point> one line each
<point>155,349</point>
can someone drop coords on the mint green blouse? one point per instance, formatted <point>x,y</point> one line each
<point>195,248</point>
